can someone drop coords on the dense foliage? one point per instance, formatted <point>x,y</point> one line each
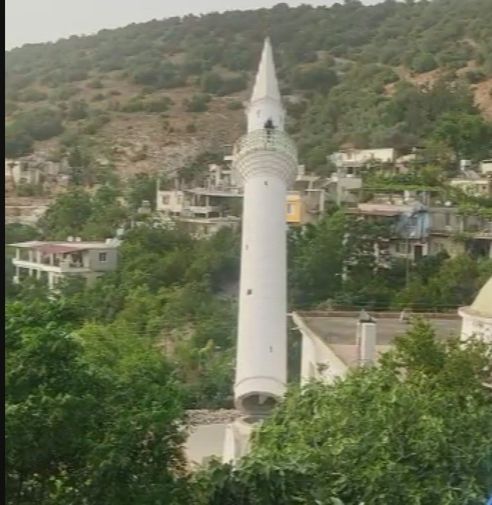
<point>91,416</point>
<point>350,67</point>
<point>415,430</point>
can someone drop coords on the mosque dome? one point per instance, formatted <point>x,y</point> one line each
<point>482,306</point>
<point>477,318</point>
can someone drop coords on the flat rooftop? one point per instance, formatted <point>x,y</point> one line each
<point>66,246</point>
<point>337,329</point>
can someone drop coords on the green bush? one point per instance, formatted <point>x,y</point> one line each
<point>197,103</point>
<point>423,62</point>
<point>17,141</point>
<point>40,124</point>
<point>32,95</point>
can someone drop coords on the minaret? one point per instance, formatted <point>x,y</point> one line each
<point>265,160</point>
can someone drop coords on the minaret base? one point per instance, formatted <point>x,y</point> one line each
<point>238,437</point>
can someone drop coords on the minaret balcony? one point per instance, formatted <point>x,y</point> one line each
<point>270,140</point>
<point>273,149</point>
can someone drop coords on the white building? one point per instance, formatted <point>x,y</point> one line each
<point>265,160</point>
<point>52,261</point>
<point>486,167</point>
<point>352,160</point>
<point>477,318</point>
<point>334,342</point>
<point>473,186</point>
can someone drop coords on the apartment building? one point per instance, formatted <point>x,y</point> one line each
<point>53,261</point>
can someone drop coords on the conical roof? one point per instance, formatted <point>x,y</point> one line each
<point>266,84</point>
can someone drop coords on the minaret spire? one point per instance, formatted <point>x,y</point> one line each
<point>266,84</point>
<point>265,103</point>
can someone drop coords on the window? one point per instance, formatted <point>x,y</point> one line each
<point>165,200</point>
<point>103,257</point>
<point>290,208</point>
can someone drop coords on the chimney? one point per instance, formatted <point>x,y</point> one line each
<point>366,342</point>
<point>70,239</point>
<point>78,239</point>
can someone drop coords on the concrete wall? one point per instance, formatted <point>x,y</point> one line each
<point>92,259</point>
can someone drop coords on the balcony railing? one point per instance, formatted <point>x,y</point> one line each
<point>274,140</point>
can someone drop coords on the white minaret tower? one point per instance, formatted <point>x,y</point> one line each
<point>266,163</point>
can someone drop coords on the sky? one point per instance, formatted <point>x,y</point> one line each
<point>31,21</point>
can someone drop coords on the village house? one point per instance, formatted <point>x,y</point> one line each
<point>474,185</point>
<point>353,160</point>
<point>53,261</point>
<point>408,225</point>
<point>33,170</point>
<point>343,188</point>
<point>485,167</point>
<point>455,233</point>
<point>217,203</point>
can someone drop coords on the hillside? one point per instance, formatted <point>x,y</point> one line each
<point>152,96</point>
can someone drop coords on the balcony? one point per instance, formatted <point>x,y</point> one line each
<point>265,140</point>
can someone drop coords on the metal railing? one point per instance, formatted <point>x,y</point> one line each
<point>274,140</point>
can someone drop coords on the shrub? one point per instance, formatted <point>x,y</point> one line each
<point>197,103</point>
<point>95,84</point>
<point>423,62</point>
<point>17,141</point>
<point>161,104</point>
<point>78,110</point>
<point>40,124</point>
<point>32,95</point>
<point>235,105</point>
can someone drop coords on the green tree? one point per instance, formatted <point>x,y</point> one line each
<point>390,434</point>
<point>468,135</point>
<point>92,417</point>
<point>67,216</point>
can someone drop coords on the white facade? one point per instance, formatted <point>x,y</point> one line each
<point>477,318</point>
<point>473,187</point>
<point>351,159</point>
<point>266,162</point>
<point>53,261</point>
<point>486,167</point>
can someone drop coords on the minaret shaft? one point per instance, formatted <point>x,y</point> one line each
<point>266,161</point>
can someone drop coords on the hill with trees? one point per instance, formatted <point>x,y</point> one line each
<point>150,96</point>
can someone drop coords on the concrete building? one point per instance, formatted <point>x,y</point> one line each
<point>266,162</point>
<point>477,318</point>
<point>53,261</point>
<point>218,203</point>
<point>474,185</point>
<point>306,199</point>
<point>456,233</point>
<point>335,342</point>
<point>353,160</point>
<point>343,188</point>
<point>485,167</point>
<point>33,170</point>
<point>408,222</point>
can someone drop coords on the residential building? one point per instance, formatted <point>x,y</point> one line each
<point>53,261</point>
<point>218,202</point>
<point>334,342</point>
<point>477,318</point>
<point>306,199</point>
<point>353,160</point>
<point>343,188</point>
<point>33,170</point>
<point>409,225</point>
<point>473,184</point>
<point>456,233</point>
<point>485,167</point>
